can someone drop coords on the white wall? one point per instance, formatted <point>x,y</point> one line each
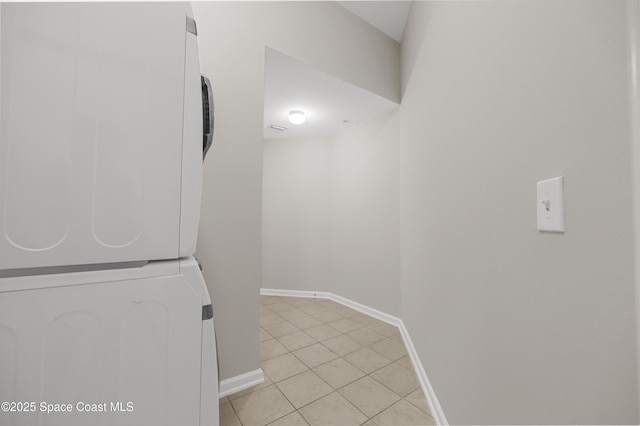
<point>296,214</point>
<point>512,325</point>
<point>331,214</point>
<point>365,216</point>
<point>229,236</point>
<point>232,37</point>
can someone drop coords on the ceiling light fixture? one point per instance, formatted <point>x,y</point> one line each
<point>296,117</point>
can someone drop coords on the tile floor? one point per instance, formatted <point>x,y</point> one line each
<point>326,364</point>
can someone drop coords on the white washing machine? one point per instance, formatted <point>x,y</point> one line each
<point>105,318</point>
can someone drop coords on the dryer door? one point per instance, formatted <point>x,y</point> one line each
<point>92,110</point>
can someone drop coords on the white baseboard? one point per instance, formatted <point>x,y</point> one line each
<point>425,384</point>
<point>240,382</point>
<point>367,310</point>
<point>294,293</point>
<point>339,299</point>
<point>432,400</point>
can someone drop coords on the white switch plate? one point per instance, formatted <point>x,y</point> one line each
<point>551,205</point>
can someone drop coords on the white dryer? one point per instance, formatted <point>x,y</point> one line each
<point>105,318</point>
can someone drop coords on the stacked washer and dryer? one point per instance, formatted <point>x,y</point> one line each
<point>105,318</point>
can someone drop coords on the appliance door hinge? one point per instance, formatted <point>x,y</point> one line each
<point>191,26</point>
<point>207,312</point>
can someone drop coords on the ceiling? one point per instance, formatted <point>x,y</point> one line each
<point>389,17</point>
<point>330,104</point>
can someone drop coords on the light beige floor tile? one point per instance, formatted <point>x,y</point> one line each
<point>384,328</point>
<point>307,322</point>
<point>267,382</point>
<point>281,329</point>
<point>228,416</point>
<point>296,340</point>
<point>369,396</point>
<point>270,319</point>
<point>390,349</point>
<point>322,332</point>
<point>332,410</point>
<point>374,320</point>
<point>223,400</point>
<point>357,316</point>
<point>264,335</point>
<point>271,349</point>
<point>338,373</point>
<point>315,355</point>
<point>367,360</point>
<point>365,335</point>
<point>304,388</point>
<point>280,306</point>
<point>398,337</point>
<point>283,367</point>
<point>262,406</point>
<point>313,309</point>
<point>328,316</point>
<point>405,362</point>
<point>293,419</point>
<point>300,301</point>
<point>417,398</point>
<point>269,300</point>
<point>292,314</point>
<point>329,304</point>
<point>363,319</point>
<point>345,325</point>
<point>342,345</point>
<point>398,379</point>
<point>345,311</point>
<point>353,345</point>
<point>403,413</point>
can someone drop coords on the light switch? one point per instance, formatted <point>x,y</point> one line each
<point>551,205</point>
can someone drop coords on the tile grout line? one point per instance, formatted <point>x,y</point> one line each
<point>236,413</point>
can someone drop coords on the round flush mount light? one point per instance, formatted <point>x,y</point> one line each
<point>296,117</point>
